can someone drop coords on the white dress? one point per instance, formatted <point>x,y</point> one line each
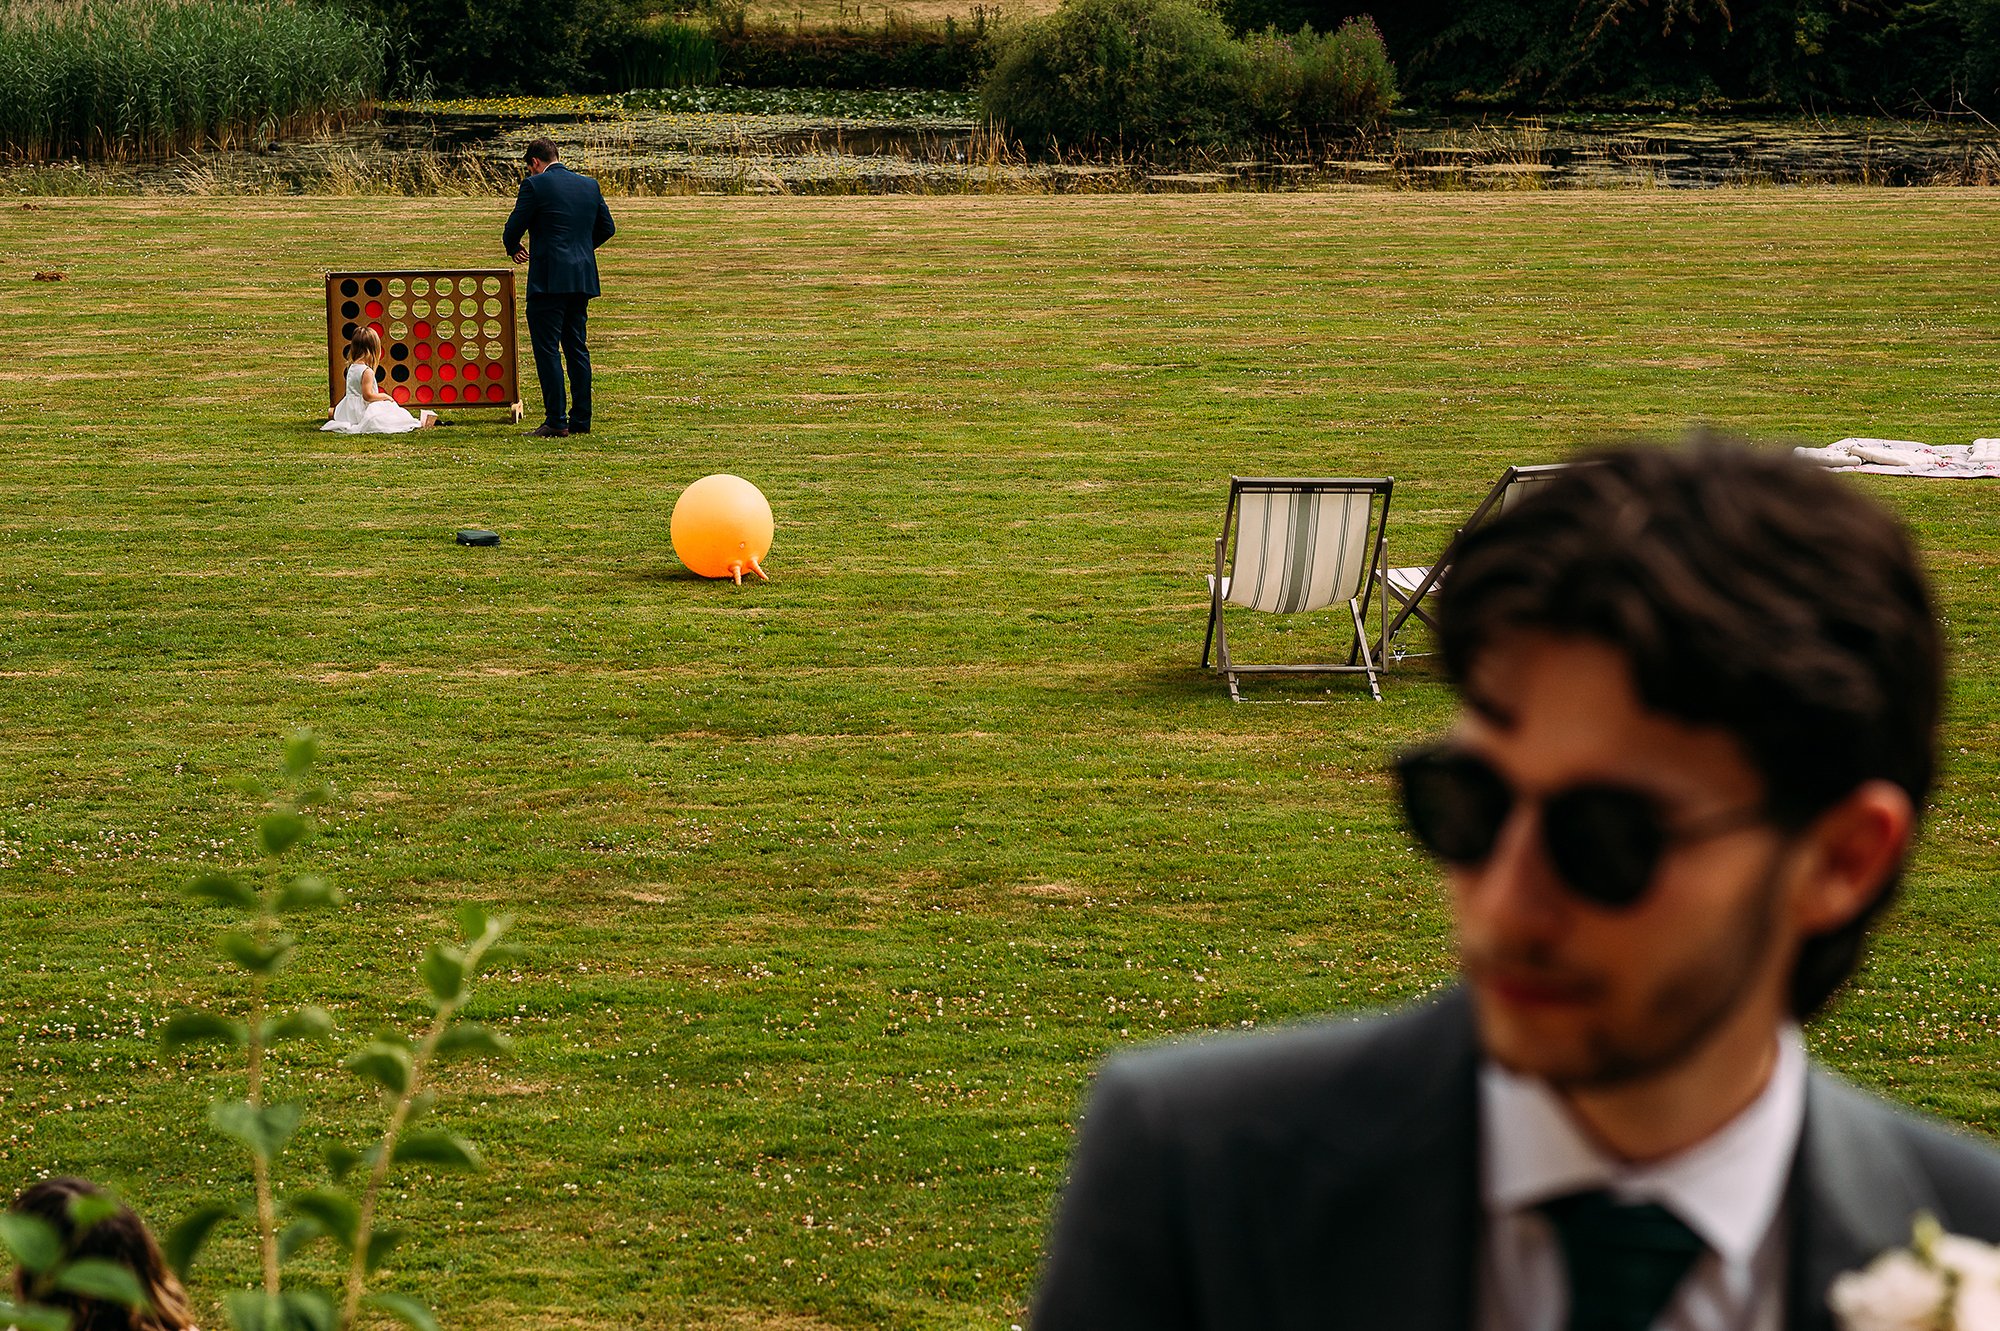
<point>354,416</point>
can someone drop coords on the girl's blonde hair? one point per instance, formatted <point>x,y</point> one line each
<point>121,1238</point>
<point>365,343</point>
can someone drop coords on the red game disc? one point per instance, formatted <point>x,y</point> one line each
<point>493,370</point>
<point>447,394</point>
<point>424,393</point>
<point>496,394</point>
<point>400,393</point>
<point>421,330</point>
<point>447,372</point>
<point>423,351</point>
<point>424,373</point>
<point>446,350</point>
<point>374,309</point>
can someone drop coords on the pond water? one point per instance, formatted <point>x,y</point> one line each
<point>815,142</point>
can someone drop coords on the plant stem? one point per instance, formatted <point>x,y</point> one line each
<point>260,1168</point>
<point>364,1228</point>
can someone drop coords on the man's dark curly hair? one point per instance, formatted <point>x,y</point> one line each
<point>1747,590</point>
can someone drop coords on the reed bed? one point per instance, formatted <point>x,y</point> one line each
<point>118,79</point>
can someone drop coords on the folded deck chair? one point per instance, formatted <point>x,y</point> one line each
<point>1291,545</point>
<point>1409,586</point>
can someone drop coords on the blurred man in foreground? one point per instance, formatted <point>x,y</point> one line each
<point>1700,691</point>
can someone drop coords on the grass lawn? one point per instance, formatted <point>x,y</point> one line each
<point>833,890</point>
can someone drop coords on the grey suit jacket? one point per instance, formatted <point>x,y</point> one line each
<point>1326,1177</point>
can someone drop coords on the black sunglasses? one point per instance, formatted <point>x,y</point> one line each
<point>1604,840</point>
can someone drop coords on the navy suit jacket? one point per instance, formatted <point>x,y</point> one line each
<point>1326,1178</point>
<point>565,214</point>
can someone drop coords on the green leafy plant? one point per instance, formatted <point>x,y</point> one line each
<point>51,1267</point>
<point>397,1067</point>
<point>1166,74</point>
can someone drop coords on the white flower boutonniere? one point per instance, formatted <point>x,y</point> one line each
<point>1941,1282</point>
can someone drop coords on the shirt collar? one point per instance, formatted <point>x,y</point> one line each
<point>1726,1187</point>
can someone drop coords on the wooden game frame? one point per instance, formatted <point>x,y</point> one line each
<point>420,315</point>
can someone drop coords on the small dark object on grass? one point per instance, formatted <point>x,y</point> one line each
<point>48,277</point>
<point>474,536</point>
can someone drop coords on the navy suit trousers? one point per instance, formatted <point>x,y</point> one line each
<point>556,327</point>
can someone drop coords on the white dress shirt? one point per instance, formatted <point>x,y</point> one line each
<point>1728,1188</point>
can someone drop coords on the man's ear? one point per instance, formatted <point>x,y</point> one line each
<point>1852,850</point>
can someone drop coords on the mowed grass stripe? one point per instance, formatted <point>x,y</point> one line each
<point>835,888</point>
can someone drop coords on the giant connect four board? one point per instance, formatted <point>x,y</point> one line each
<point>447,335</point>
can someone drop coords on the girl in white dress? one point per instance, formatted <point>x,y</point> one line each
<point>367,409</point>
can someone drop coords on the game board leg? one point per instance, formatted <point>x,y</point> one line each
<point>519,411</point>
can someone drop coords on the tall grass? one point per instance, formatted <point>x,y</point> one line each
<point>117,78</point>
<point>663,52</point>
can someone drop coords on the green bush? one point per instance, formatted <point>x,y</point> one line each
<point>1166,74</point>
<point>114,77</point>
<point>1121,73</point>
<point>897,54</point>
<point>508,46</point>
<point>1307,81</point>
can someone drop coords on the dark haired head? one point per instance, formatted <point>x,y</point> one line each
<point>541,150</point>
<point>1747,591</point>
<point>120,1237</point>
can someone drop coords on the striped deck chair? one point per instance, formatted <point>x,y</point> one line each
<point>1291,545</point>
<point>1409,586</point>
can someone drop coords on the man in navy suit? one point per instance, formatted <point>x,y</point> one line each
<point>565,214</point>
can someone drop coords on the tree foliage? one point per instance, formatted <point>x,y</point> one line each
<point>1146,75</point>
<point>1886,55</point>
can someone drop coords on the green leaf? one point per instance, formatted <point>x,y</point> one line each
<point>500,954</point>
<point>308,1023</point>
<point>308,1310</point>
<point>100,1278</point>
<point>401,1307</point>
<point>308,891</point>
<point>296,1236</point>
<point>254,1310</point>
<point>472,922</point>
<point>307,797</point>
<point>184,1240</point>
<point>379,1244</point>
<point>437,1148</point>
<point>88,1210</point>
<point>224,890</point>
<point>301,752</point>
<point>281,831</point>
<point>443,970</point>
<point>335,1212</point>
<point>33,1241</point>
<point>28,1317</point>
<point>341,1160</point>
<point>265,1131</point>
<point>186,1028</point>
<point>468,1039</point>
<point>385,1064</point>
<point>253,956</point>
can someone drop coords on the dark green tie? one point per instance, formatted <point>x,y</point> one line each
<point>1624,1262</point>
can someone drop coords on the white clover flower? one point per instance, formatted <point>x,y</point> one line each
<point>1895,1292</point>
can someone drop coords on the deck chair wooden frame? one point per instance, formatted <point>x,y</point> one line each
<point>1293,544</point>
<point>1409,586</point>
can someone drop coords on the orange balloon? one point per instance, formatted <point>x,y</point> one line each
<point>722,526</point>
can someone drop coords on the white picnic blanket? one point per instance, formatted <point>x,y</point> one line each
<point>1906,457</point>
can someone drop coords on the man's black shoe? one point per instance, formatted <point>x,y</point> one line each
<point>579,429</point>
<point>548,432</point>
